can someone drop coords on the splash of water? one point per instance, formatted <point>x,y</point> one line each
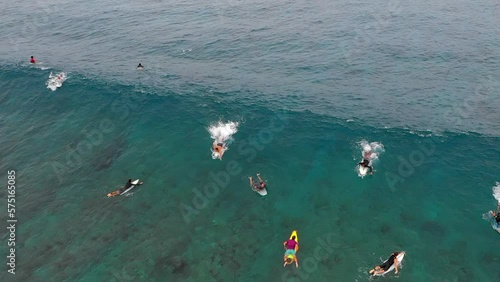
<point>56,81</point>
<point>496,192</point>
<point>222,133</point>
<point>371,151</point>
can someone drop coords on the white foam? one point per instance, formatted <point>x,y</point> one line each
<point>56,81</point>
<point>496,192</point>
<point>222,133</point>
<point>371,151</point>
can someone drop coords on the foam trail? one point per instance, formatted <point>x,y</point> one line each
<point>222,133</point>
<point>372,150</point>
<point>56,81</point>
<point>496,192</point>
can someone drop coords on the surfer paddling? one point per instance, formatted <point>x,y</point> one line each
<point>127,187</point>
<point>496,216</point>
<point>291,248</point>
<point>218,149</point>
<point>366,161</point>
<point>257,186</point>
<point>387,265</point>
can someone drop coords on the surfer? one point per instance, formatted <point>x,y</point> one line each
<point>218,148</point>
<point>140,67</point>
<point>291,247</point>
<point>379,269</point>
<point>261,185</point>
<point>496,215</point>
<point>124,188</point>
<point>366,163</point>
<point>32,60</point>
<point>367,160</point>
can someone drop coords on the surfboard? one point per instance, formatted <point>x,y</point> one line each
<point>261,192</point>
<point>131,187</point>
<point>294,233</point>
<point>117,192</point>
<point>400,258</point>
<point>362,170</point>
<point>216,155</point>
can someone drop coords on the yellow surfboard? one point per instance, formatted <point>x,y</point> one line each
<point>294,233</point>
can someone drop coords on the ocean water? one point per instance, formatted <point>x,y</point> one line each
<point>306,83</point>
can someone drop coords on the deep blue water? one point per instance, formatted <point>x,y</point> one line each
<point>306,82</point>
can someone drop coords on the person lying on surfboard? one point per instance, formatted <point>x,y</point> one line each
<point>366,163</point>
<point>255,186</point>
<point>496,215</point>
<point>379,269</point>
<point>125,187</point>
<point>218,147</point>
<point>291,247</point>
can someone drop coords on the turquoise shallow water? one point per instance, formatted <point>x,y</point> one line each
<point>426,197</point>
<point>306,82</point>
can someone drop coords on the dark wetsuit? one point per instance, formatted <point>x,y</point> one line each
<point>387,264</point>
<point>126,186</point>
<point>366,163</point>
<point>497,218</point>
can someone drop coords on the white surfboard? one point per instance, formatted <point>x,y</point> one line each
<point>131,187</point>
<point>216,155</point>
<point>400,258</point>
<point>362,170</point>
<point>261,192</point>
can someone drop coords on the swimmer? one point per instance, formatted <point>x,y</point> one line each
<point>140,67</point>
<point>32,60</point>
